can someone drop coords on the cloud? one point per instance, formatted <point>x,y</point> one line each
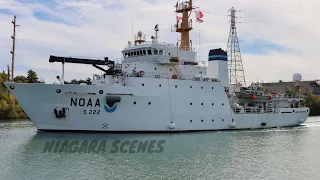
<point>277,38</point>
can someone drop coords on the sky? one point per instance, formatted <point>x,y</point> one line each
<point>277,37</point>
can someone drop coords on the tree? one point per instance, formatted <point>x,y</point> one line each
<point>88,81</point>
<point>289,92</point>
<point>32,77</point>
<point>20,79</point>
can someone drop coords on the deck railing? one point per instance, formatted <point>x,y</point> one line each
<point>254,110</point>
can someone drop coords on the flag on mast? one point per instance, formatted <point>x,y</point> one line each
<point>178,18</point>
<point>199,16</point>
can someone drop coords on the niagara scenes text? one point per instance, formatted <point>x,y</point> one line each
<point>95,146</point>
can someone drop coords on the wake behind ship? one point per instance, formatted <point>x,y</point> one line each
<point>157,87</point>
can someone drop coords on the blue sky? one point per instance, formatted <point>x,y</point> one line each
<point>281,43</point>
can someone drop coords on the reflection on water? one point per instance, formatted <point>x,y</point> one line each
<point>283,153</point>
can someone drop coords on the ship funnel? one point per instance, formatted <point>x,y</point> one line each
<point>218,65</point>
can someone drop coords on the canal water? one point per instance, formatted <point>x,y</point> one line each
<point>272,154</point>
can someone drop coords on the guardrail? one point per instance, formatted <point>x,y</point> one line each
<point>254,110</point>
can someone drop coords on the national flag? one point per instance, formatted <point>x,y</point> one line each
<point>199,16</point>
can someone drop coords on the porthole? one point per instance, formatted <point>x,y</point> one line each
<point>155,68</point>
<point>190,104</point>
<point>124,84</point>
<point>190,120</point>
<point>222,104</point>
<point>58,90</point>
<point>212,88</point>
<point>190,86</point>
<point>201,120</point>
<point>201,104</point>
<point>159,85</point>
<point>212,104</point>
<point>212,120</point>
<point>101,92</point>
<point>293,110</point>
<point>170,69</point>
<point>201,87</point>
<point>149,103</point>
<point>142,84</point>
<point>222,120</point>
<point>176,86</point>
<point>134,102</point>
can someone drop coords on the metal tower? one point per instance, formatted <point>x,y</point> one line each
<point>236,72</point>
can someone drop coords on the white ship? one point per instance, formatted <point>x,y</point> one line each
<point>156,87</point>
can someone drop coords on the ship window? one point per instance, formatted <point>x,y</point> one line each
<point>155,51</point>
<point>138,53</point>
<point>131,53</point>
<point>149,52</point>
<point>141,53</point>
<point>144,52</point>
<point>161,52</point>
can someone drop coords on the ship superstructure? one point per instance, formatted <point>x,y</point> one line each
<point>156,87</point>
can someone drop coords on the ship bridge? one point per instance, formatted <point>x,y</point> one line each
<point>156,52</point>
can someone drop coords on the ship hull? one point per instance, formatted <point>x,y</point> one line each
<point>146,104</point>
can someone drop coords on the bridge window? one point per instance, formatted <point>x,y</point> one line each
<point>160,52</point>
<point>144,52</point>
<point>138,53</point>
<point>155,51</point>
<point>149,52</point>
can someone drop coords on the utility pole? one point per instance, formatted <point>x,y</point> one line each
<point>8,73</point>
<point>13,37</point>
<point>236,71</point>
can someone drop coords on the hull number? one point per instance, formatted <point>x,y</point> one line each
<point>91,111</point>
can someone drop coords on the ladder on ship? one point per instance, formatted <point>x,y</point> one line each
<point>176,67</point>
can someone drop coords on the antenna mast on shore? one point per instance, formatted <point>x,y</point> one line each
<point>13,37</point>
<point>236,71</point>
